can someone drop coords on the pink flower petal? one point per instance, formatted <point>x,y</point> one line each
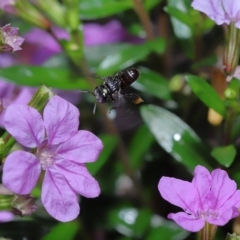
<point>79,178</point>
<point>61,120</point>
<point>223,218</point>
<point>222,187</point>
<point>82,147</point>
<point>202,182</point>
<point>25,124</point>
<point>180,193</point>
<point>233,201</point>
<point>6,216</point>
<point>213,9</point>
<point>58,198</point>
<point>188,222</point>
<point>6,89</point>
<point>21,171</point>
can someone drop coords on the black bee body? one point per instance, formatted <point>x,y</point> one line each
<point>112,86</point>
<point>107,90</point>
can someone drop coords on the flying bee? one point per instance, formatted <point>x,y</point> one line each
<point>112,86</point>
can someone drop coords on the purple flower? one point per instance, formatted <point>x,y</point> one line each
<point>9,94</point>
<point>6,216</point>
<point>10,39</point>
<point>45,46</point>
<point>220,11</point>
<point>8,5</point>
<point>59,149</point>
<point>111,32</point>
<point>211,198</point>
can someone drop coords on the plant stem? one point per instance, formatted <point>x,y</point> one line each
<point>144,18</point>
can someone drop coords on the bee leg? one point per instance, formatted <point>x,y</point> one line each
<point>94,108</point>
<point>82,91</point>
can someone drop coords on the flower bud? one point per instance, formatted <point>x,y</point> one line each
<point>232,237</point>
<point>41,98</point>
<point>232,49</point>
<point>9,39</point>
<point>23,205</point>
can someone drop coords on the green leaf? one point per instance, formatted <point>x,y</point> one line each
<point>149,4</point>
<point>206,94</point>
<point>92,9</point>
<point>35,76</point>
<point>129,56</point>
<point>66,230</point>
<point>179,15</point>
<point>180,23</point>
<point>109,143</point>
<point>206,62</point>
<point>167,232</point>
<point>224,155</point>
<point>138,147</point>
<point>129,221</point>
<point>153,83</point>
<point>95,54</point>
<point>176,137</point>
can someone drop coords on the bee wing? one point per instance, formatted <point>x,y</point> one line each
<point>126,114</point>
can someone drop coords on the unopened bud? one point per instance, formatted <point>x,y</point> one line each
<point>9,39</point>
<point>232,49</point>
<point>24,205</point>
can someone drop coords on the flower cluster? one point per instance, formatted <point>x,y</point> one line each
<point>59,150</point>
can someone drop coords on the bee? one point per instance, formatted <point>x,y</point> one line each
<point>112,87</point>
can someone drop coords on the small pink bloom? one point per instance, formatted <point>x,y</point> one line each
<point>60,150</point>
<point>211,198</point>
<point>220,11</point>
<point>10,39</point>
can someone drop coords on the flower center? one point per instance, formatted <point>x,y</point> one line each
<point>46,158</point>
<point>207,213</point>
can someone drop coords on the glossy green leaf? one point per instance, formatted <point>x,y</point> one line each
<point>131,222</point>
<point>180,27</point>
<point>96,54</point>
<point>175,136</point>
<point>35,76</point>
<point>129,56</point>
<point>224,155</point>
<point>109,143</point>
<point>206,94</point>
<point>66,230</point>
<point>153,83</point>
<point>92,9</point>
<point>179,15</point>
<point>138,147</point>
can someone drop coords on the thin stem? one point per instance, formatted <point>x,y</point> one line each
<point>144,18</point>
